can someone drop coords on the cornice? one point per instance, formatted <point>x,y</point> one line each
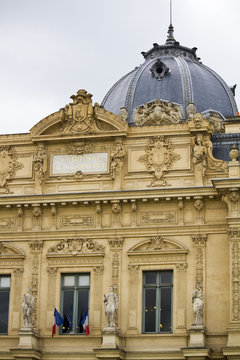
<point>111,196</point>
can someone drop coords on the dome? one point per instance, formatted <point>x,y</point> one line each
<point>172,73</point>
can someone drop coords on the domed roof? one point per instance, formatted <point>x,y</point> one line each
<point>172,73</point>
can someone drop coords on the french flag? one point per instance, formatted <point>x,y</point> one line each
<point>57,321</point>
<point>85,323</point>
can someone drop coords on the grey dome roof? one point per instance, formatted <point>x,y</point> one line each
<point>171,72</point>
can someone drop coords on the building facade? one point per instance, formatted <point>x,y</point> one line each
<point>140,193</point>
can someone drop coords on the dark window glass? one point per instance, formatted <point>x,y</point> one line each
<point>157,301</point>
<point>4,303</point>
<point>75,299</point>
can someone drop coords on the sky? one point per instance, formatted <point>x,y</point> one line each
<point>51,48</point>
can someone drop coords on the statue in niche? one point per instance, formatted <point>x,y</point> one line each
<point>199,149</point>
<point>111,306</point>
<point>197,301</point>
<point>27,308</point>
<point>40,163</point>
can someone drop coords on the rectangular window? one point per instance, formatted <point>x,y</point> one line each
<point>4,302</point>
<point>74,302</point>
<point>157,301</point>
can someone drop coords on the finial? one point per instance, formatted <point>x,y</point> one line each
<point>170,38</point>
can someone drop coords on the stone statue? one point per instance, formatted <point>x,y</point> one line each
<point>40,163</point>
<point>27,308</point>
<point>197,300</point>
<point>111,306</point>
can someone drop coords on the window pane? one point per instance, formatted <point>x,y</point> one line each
<point>68,280</point>
<point>150,277</point>
<point>5,282</point>
<point>166,277</point>
<point>67,310</point>
<point>4,304</point>
<point>150,310</point>
<point>83,280</point>
<point>166,305</point>
<point>82,308</point>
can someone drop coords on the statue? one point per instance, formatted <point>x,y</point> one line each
<point>197,300</point>
<point>40,163</point>
<point>27,308</point>
<point>111,306</point>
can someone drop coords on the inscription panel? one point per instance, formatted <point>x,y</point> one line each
<point>87,163</point>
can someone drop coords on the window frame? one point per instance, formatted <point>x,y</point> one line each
<point>158,286</point>
<point>75,288</point>
<point>4,289</point>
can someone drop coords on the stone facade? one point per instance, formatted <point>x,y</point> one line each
<point>83,192</point>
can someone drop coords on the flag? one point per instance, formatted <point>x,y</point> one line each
<point>65,324</point>
<point>57,320</point>
<point>85,323</point>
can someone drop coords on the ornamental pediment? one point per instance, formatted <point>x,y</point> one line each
<point>156,244</point>
<point>76,247</point>
<point>79,118</point>
<point>9,251</point>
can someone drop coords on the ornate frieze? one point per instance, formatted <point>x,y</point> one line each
<point>77,220</point>
<point>157,112</point>
<point>8,166</point>
<point>76,246</point>
<point>199,244</point>
<point>158,217</point>
<point>159,158</point>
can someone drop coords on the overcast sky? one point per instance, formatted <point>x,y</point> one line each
<point>51,48</point>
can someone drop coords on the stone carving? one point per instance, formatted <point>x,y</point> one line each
<point>8,166</point>
<point>116,208</point>
<point>234,153</point>
<point>118,154</point>
<point>159,158</point>
<point>157,243</point>
<point>36,246</point>
<point>181,266</point>
<point>158,112</point>
<point>199,243</point>
<point>216,120</point>
<point>116,243</point>
<point>195,119</point>
<point>98,269</point>
<point>123,113</point>
<point>202,154</point>
<point>197,301</point>
<point>159,70</point>
<point>27,309</point>
<point>235,277</point>
<point>158,217</point>
<point>80,148</point>
<point>111,306</point>
<point>76,246</point>
<point>78,116</point>
<point>7,224</point>
<point>40,163</point>
<point>77,220</point>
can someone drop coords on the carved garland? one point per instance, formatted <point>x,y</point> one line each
<point>8,166</point>
<point>234,237</point>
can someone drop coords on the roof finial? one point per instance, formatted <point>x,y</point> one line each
<point>170,38</point>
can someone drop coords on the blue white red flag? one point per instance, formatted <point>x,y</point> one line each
<point>57,321</point>
<point>85,323</point>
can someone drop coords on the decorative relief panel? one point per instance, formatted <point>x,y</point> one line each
<point>8,166</point>
<point>7,224</point>
<point>159,158</point>
<point>77,220</point>
<point>158,217</point>
<point>80,148</point>
<point>157,112</point>
<point>9,251</point>
<point>234,237</point>
<point>199,244</point>
<point>76,247</point>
